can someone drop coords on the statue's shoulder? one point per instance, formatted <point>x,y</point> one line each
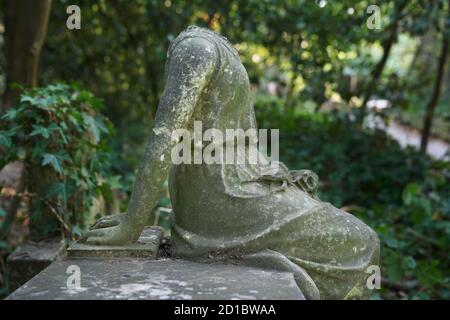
<point>198,36</point>
<point>194,38</point>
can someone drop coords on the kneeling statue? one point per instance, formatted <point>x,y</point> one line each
<point>233,211</point>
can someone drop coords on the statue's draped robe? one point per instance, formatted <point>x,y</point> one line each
<point>230,210</point>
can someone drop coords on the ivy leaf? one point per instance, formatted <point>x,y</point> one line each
<point>391,241</point>
<point>102,126</point>
<point>57,87</point>
<point>91,123</point>
<point>5,139</point>
<point>63,136</point>
<point>29,99</point>
<point>43,131</point>
<point>40,130</point>
<point>43,102</point>
<point>409,192</point>
<point>50,159</point>
<point>75,119</point>
<point>10,114</point>
<point>409,262</point>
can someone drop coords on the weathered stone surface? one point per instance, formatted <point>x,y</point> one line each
<point>237,207</point>
<point>29,259</point>
<point>158,279</point>
<point>146,247</point>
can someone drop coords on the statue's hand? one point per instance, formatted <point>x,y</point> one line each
<point>108,221</point>
<point>110,230</point>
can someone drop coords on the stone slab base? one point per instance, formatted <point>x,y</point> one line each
<point>156,279</point>
<point>146,247</point>
<point>29,259</point>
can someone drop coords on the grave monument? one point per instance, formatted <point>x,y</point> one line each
<point>259,216</point>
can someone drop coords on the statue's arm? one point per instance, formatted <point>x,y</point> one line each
<point>190,66</point>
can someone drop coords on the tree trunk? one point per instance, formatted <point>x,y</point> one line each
<point>289,100</point>
<point>378,70</point>
<point>431,106</point>
<point>417,53</point>
<point>26,25</point>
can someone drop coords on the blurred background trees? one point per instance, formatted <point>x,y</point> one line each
<point>347,99</point>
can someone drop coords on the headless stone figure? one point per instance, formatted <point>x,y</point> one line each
<point>233,211</point>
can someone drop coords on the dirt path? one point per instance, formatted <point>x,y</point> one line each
<point>405,136</point>
<point>437,148</point>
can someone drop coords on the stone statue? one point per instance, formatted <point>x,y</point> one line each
<point>228,211</point>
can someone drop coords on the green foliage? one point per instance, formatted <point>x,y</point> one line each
<point>403,195</point>
<point>355,165</point>
<point>416,236</point>
<point>312,52</point>
<point>59,134</point>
